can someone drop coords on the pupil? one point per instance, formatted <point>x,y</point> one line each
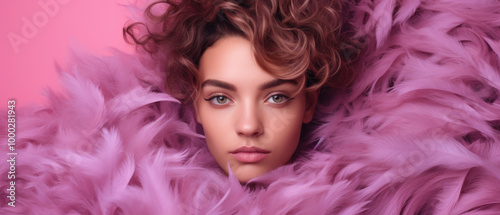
<point>276,98</point>
<point>221,99</point>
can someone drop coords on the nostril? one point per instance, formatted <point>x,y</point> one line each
<point>249,127</point>
<point>250,131</point>
<point>248,121</point>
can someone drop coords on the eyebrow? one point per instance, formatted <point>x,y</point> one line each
<point>275,83</point>
<point>217,83</point>
<point>228,86</point>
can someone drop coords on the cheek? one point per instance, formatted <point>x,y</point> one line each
<point>283,120</point>
<point>286,122</point>
<point>216,128</point>
<point>283,131</point>
<point>213,124</point>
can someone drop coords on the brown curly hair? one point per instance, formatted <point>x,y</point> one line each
<point>291,39</point>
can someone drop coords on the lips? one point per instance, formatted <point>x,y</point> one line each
<point>249,154</point>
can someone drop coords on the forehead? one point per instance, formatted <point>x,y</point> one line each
<point>231,58</point>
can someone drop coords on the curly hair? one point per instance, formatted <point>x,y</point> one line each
<point>291,39</point>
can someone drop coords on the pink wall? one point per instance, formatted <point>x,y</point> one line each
<point>36,34</point>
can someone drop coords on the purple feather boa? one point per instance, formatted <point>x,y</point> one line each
<point>419,132</point>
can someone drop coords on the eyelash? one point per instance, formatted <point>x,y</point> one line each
<point>211,99</point>
<point>285,97</point>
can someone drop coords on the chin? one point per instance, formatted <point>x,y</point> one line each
<point>245,174</point>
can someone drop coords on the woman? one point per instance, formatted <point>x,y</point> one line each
<point>251,69</point>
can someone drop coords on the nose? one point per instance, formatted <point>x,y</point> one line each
<point>249,122</point>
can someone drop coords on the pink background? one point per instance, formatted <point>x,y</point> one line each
<point>93,24</point>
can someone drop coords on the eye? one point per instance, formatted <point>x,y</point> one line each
<point>278,99</point>
<point>218,100</point>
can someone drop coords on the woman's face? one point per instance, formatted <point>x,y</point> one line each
<point>250,120</point>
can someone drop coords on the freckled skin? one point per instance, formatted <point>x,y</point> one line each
<point>247,115</point>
